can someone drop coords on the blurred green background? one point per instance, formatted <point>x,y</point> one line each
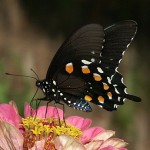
<point>31,31</point>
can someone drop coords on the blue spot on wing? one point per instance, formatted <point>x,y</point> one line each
<point>81,104</point>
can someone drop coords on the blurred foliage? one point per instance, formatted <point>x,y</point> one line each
<point>57,16</point>
<point>10,87</point>
<point>4,86</point>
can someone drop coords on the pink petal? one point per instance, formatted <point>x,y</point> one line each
<point>8,114</point>
<point>104,135</point>
<point>90,133</point>
<point>13,104</point>
<point>65,142</point>
<point>115,142</point>
<point>108,148</point>
<point>52,112</point>
<point>10,137</point>
<point>28,111</point>
<point>79,122</point>
<point>94,145</point>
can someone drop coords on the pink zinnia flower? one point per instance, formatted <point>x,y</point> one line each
<point>51,133</point>
<point>10,136</point>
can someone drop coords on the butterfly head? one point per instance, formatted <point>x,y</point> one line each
<point>45,86</point>
<point>42,84</point>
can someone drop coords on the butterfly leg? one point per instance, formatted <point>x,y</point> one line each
<point>46,108</point>
<point>63,106</point>
<point>38,101</point>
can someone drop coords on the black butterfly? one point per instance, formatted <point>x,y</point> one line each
<point>84,68</point>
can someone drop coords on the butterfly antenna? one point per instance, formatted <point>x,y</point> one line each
<point>10,74</point>
<point>35,73</point>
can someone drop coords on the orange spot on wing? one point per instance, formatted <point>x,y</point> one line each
<point>105,86</point>
<point>85,69</point>
<point>69,68</point>
<point>88,98</point>
<point>101,99</point>
<point>109,94</point>
<point>97,77</point>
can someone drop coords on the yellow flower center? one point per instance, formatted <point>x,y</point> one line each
<point>36,129</point>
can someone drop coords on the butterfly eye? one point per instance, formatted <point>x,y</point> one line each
<point>38,83</point>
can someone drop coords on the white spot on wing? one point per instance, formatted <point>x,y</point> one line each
<point>100,106</point>
<point>69,102</point>
<point>100,70</point>
<point>53,90</point>
<point>109,80</point>
<point>92,60</point>
<point>84,66</point>
<point>69,64</point>
<point>96,74</point>
<point>116,69</point>
<point>93,52</point>
<point>120,61</point>
<point>133,37</point>
<point>128,44</point>
<point>110,97</point>
<point>54,82</point>
<point>115,105</point>
<point>112,77</point>
<point>125,90</point>
<point>61,94</point>
<point>44,90</point>
<point>107,67</point>
<point>117,91</point>
<point>123,52</point>
<point>86,62</point>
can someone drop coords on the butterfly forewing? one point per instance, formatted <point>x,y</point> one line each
<point>117,38</point>
<point>79,45</point>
